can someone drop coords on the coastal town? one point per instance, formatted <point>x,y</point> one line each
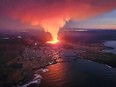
<point>23,59</point>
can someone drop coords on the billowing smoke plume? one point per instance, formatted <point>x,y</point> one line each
<point>52,14</point>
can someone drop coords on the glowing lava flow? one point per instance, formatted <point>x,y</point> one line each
<point>53,41</point>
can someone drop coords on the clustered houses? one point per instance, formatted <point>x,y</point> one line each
<point>36,57</point>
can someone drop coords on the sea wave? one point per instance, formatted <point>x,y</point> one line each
<point>37,78</point>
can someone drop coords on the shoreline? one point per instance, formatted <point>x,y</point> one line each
<point>37,75</point>
<point>111,47</point>
<point>26,63</point>
<point>27,75</point>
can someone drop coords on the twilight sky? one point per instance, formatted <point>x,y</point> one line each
<point>53,14</point>
<point>103,21</point>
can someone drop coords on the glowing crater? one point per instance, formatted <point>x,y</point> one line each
<point>53,41</point>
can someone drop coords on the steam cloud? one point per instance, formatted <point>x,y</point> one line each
<point>52,14</point>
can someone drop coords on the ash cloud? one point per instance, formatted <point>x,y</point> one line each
<point>52,14</point>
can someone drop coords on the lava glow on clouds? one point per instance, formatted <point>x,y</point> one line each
<point>52,14</point>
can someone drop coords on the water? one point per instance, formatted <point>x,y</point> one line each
<point>111,44</point>
<point>73,72</point>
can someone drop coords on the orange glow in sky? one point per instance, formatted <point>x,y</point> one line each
<point>53,14</point>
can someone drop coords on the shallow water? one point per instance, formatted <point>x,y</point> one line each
<point>69,72</point>
<point>111,44</point>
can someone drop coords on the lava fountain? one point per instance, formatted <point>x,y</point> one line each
<point>53,26</point>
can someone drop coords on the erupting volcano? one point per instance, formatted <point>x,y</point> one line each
<point>57,43</point>
<point>53,25</point>
<point>52,14</point>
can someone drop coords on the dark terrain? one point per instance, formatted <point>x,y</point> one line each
<point>22,53</point>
